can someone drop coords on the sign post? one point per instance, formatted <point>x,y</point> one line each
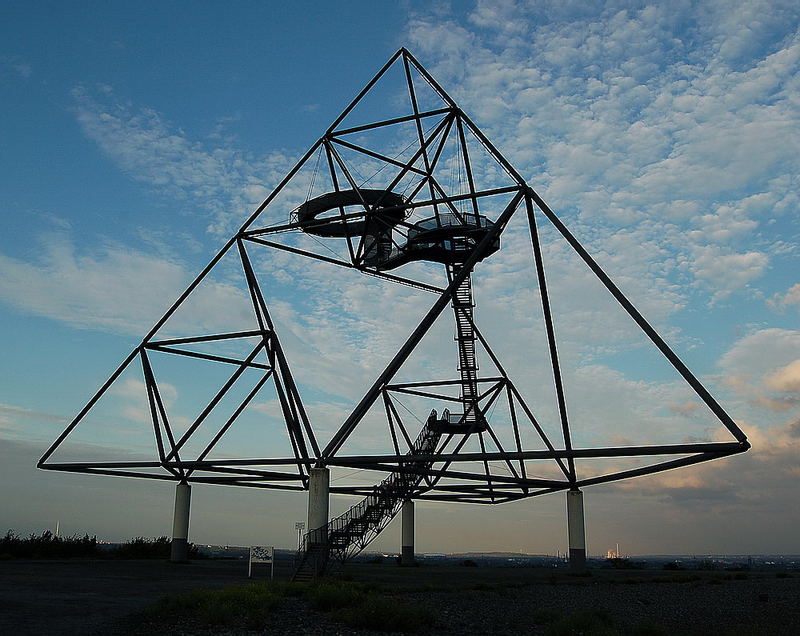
<point>261,554</point>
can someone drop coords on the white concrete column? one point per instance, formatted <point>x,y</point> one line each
<point>576,531</point>
<point>179,552</point>
<point>407,543</point>
<point>319,480</point>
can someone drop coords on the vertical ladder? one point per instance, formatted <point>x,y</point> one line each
<point>463,306</point>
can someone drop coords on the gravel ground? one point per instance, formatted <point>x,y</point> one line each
<point>768,606</point>
<point>740,607</point>
<point>82,596</point>
<point>64,597</point>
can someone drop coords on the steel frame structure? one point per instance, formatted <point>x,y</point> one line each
<point>449,473</point>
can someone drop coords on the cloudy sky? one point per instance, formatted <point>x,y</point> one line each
<point>136,140</point>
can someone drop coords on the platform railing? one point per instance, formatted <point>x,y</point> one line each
<point>348,534</point>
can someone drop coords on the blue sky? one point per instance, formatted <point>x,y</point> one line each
<point>136,140</point>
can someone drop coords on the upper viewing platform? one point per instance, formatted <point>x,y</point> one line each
<point>388,240</point>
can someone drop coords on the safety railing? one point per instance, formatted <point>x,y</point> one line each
<point>346,535</point>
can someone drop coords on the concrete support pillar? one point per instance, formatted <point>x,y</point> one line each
<point>179,552</point>
<point>319,480</point>
<point>576,532</point>
<point>407,543</point>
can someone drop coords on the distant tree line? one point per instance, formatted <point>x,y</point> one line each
<point>49,546</point>
<point>46,546</point>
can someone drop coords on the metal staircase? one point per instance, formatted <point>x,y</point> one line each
<point>349,533</point>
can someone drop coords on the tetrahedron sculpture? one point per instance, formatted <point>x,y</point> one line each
<point>435,202</point>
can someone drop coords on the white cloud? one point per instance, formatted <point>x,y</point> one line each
<point>737,484</point>
<point>786,379</point>
<point>724,225</point>
<point>133,389</point>
<point>762,352</point>
<point>791,297</point>
<point>666,139</point>
<point>112,287</point>
<point>15,421</point>
<point>626,124</point>
<point>16,64</point>
<point>741,31</point>
<point>686,408</point>
<point>723,271</point>
<point>664,135</point>
<point>609,125</point>
<point>221,180</point>
<point>762,369</point>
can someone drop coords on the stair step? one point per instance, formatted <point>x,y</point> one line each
<point>365,517</point>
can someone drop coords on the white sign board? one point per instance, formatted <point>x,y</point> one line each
<point>299,525</point>
<point>261,554</point>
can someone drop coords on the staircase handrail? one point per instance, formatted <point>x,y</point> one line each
<point>386,496</point>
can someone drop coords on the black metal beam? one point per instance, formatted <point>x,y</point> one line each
<point>206,356</point>
<point>404,385</point>
<point>376,155</point>
<point>390,277</point>
<point>408,467</point>
<point>413,340</point>
<point>656,468</point>
<point>214,401</point>
<point>365,90</point>
<point>296,409</point>
<point>275,229</point>
<point>242,406</point>
<point>387,122</point>
<point>719,448</point>
<point>645,326</point>
<point>551,334</point>
<point>352,461</point>
<point>206,338</point>
<point>486,487</point>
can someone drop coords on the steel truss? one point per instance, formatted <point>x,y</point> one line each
<point>450,472</point>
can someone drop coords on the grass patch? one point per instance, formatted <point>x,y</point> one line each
<point>648,628</point>
<point>245,606</point>
<point>363,607</point>
<point>248,606</point>
<point>355,606</point>
<point>545,616</point>
<point>593,622</point>
<point>287,588</point>
<point>328,595</point>
<point>597,622</point>
<point>382,614</point>
<point>539,617</point>
<point>488,587</point>
<point>679,578</point>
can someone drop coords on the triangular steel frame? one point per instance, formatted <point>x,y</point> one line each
<point>441,481</point>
